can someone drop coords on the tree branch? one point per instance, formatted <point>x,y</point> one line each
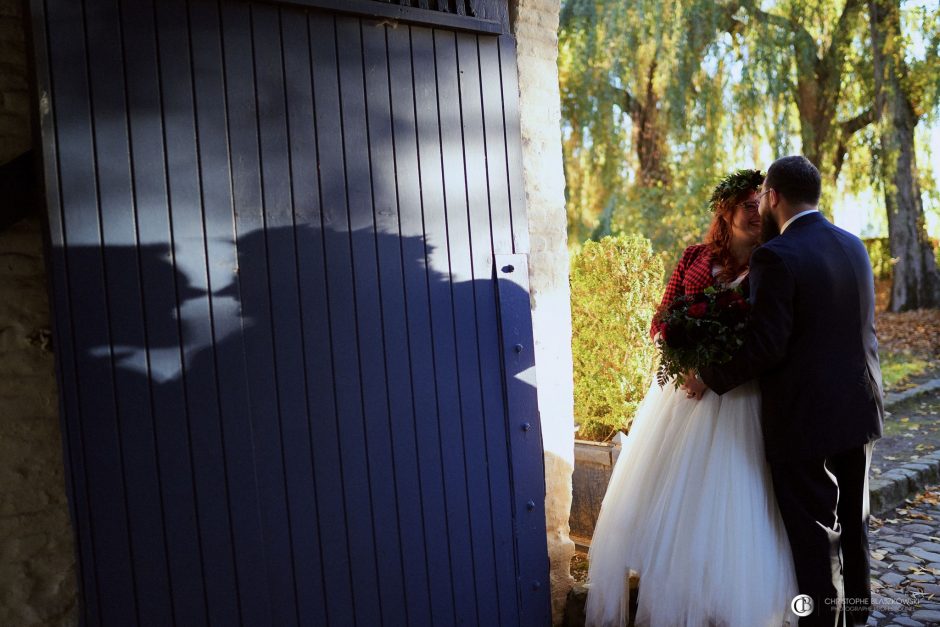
<point>782,22</point>
<point>843,32</point>
<point>860,121</point>
<point>830,65</point>
<point>630,103</point>
<point>846,130</point>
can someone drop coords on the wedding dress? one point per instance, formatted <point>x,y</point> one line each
<point>690,507</point>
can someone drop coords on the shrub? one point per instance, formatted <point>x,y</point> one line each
<point>616,285</point>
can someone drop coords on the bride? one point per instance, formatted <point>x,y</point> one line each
<point>690,504</point>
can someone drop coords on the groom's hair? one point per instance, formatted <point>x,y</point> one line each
<point>795,178</point>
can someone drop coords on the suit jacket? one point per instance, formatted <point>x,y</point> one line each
<point>811,342</point>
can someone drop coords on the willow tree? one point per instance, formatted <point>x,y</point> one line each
<point>644,118</point>
<point>907,88</point>
<point>800,50</point>
<point>840,67</point>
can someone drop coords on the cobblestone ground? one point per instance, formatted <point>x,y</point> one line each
<point>905,564</point>
<point>911,429</point>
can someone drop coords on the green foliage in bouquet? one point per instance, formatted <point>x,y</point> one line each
<point>700,330</point>
<point>616,285</point>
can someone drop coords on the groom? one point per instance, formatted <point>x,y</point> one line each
<point>812,344</point>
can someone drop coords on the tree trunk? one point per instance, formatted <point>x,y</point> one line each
<point>916,279</point>
<point>649,136</point>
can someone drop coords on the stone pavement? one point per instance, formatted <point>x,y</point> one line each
<point>905,564</point>
<point>905,541</point>
<point>907,458</point>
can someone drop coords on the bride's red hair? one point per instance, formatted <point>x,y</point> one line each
<point>718,237</point>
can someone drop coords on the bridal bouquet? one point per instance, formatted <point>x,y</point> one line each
<point>700,330</point>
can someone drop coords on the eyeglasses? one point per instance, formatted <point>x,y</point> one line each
<point>750,206</point>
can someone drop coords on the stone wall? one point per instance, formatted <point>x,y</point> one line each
<point>37,563</point>
<point>14,82</point>
<point>535,26</point>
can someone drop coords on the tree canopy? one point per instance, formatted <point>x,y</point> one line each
<point>661,98</point>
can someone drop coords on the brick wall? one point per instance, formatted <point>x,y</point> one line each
<point>37,583</point>
<point>535,26</point>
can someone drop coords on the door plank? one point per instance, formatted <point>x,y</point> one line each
<point>393,316</point>
<point>346,368</point>
<point>494,412</point>
<point>356,147</point>
<point>96,418</point>
<point>465,322</point>
<point>299,434</point>
<point>443,340</point>
<point>419,326</point>
<point>128,355</point>
<point>225,485</point>
<point>163,342</point>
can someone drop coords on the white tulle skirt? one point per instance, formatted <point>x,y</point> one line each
<point>690,507</point>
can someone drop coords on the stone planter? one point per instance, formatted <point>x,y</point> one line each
<point>593,464</point>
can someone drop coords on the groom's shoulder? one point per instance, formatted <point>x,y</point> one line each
<point>822,239</point>
<point>836,236</point>
<point>845,236</point>
<point>776,247</point>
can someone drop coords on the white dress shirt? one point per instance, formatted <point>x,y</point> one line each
<point>799,215</point>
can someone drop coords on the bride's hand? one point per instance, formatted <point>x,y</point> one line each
<point>694,386</point>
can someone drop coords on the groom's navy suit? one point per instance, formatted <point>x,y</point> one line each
<point>812,344</point>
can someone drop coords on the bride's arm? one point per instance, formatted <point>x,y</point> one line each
<point>673,288</point>
<point>772,289</point>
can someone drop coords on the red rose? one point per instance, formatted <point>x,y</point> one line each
<point>731,299</point>
<point>698,310</point>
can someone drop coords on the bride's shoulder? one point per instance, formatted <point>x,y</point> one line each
<point>693,252</point>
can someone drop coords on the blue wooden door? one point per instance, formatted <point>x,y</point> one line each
<point>288,267</point>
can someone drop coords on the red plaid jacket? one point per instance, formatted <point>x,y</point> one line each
<point>692,275</point>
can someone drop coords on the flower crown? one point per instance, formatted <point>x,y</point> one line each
<point>735,184</point>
